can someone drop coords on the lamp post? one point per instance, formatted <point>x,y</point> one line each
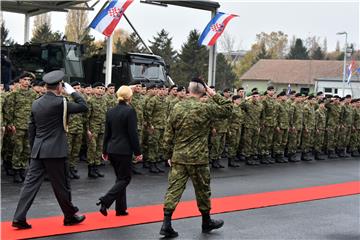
<point>344,69</point>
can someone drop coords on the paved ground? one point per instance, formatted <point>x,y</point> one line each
<point>336,218</point>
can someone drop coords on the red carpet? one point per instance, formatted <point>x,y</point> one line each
<point>49,226</point>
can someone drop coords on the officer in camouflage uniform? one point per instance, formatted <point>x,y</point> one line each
<point>295,127</point>
<point>252,110</point>
<point>95,129</point>
<point>308,129</point>
<point>170,98</point>
<point>74,136</point>
<point>320,126</point>
<point>332,124</point>
<point>19,107</point>
<point>234,131</point>
<point>281,128</point>
<point>186,142</point>
<point>268,118</point>
<point>346,122</point>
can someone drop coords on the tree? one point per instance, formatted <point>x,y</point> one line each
<point>5,40</point>
<point>76,25</point>
<point>162,45</point>
<point>40,20</point>
<point>44,34</point>
<point>119,37</point>
<point>132,44</point>
<point>318,54</point>
<point>298,51</point>
<point>192,60</point>
<point>275,43</point>
<point>225,76</point>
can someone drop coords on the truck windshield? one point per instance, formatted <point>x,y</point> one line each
<point>153,72</point>
<point>72,53</point>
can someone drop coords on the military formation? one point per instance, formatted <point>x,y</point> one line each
<point>262,129</point>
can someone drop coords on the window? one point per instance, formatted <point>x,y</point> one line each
<point>336,91</point>
<point>328,90</point>
<point>304,91</point>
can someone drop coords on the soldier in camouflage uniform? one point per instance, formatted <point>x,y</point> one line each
<point>185,140</point>
<point>346,122</point>
<point>87,93</point>
<point>234,131</point>
<point>19,108</point>
<point>268,119</point>
<point>95,129</point>
<point>332,124</point>
<point>320,126</point>
<point>354,145</point>
<point>75,136</point>
<point>111,100</point>
<point>252,110</point>
<point>307,135</point>
<point>295,127</point>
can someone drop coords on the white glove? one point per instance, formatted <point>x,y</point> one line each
<point>68,89</point>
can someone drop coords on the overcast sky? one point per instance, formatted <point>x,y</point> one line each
<point>301,19</point>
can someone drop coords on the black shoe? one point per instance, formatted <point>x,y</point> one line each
<point>158,168</point>
<point>76,219</point>
<point>219,164</point>
<point>17,177</point>
<point>331,154</point>
<point>103,209</point>
<point>97,172</point>
<point>20,224</point>
<point>74,174</point>
<point>153,169</point>
<point>211,225</point>
<point>121,213</point>
<point>91,172</point>
<point>214,164</point>
<point>166,228</point>
<point>232,163</point>
<point>305,157</point>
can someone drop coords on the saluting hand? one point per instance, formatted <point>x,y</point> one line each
<point>139,158</point>
<point>105,157</point>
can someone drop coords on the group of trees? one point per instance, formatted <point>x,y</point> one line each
<point>191,60</point>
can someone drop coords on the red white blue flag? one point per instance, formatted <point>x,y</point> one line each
<point>215,28</point>
<point>107,19</point>
<point>351,69</point>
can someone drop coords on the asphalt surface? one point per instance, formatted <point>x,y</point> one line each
<point>336,218</point>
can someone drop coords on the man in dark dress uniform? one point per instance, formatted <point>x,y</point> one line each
<point>47,137</point>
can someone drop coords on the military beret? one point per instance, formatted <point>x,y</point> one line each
<point>53,77</point>
<point>254,93</point>
<point>310,97</point>
<point>198,80</point>
<point>281,94</point>
<point>240,88</point>
<point>41,83</point>
<point>76,83</point>
<point>328,96</point>
<point>143,85</point>
<point>254,90</point>
<point>348,96</point>
<point>86,85</point>
<point>160,85</point>
<point>180,88</point>
<point>226,90</point>
<point>27,74</point>
<point>321,101</point>
<point>172,86</point>
<point>111,85</point>
<point>355,100</point>
<point>134,82</point>
<point>319,93</point>
<point>270,88</point>
<point>265,93</point>
<point>292,92</point>
<point>98,84</point>
<point>298,95</point>
<point>235,97</point>
<point>336,96</point>
<point>35,83</point>
<point>151,86</point>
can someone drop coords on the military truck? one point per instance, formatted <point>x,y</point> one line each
<point>41,58</point>
<point>127,67</point>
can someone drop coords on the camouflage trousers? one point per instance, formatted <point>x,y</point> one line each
<point>354,140</point>
<point>307,140</point>
<point>74,146</point>
<point>154,145</point>
<point>21,152</point>
<point>331,138</point>
<point>251,139</point>
<point>280,141</point>
<point>95,148</point>
<point>266,140</point>
<point>178,177</point>
<point>318,143</point>
<point>8,147</point>
<point>217,143</point>
<point>233,139</point>
<point>344,138</point>
<point>293,141</point>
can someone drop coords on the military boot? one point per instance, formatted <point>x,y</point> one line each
<point>166,228</point>
<point>97,172</point>
<point>158,168</point>
<point>305,157</point>
<point>317,155</point>
<point>292,157</point>
<point>17,176</point>
<point>279,158</point>
<point>219,164</point>
<point>341,153</point>
<point>214,164</point>
<point>232,163</point>
<point>152,168</point>
<point>354,154</point>
<point>73,173</point>
<point>22,174</point>
<point>331,154</point>
<point>209,224</point>
<point>91,172</point>
<point>264,159</point>
<point>8,168</point>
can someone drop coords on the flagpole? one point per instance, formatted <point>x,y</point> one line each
<point>344,69</point>
<point>108,71</point>
<point>212,60</point>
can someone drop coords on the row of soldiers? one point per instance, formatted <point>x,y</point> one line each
<point>264,128</point>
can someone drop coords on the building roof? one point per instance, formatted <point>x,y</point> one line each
<point>294,71</point>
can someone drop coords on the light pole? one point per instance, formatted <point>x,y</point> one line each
<point>344,69</point>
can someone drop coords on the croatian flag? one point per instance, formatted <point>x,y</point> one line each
<point>350,70</point>
<point>106,20</point>
<point>215,28</point>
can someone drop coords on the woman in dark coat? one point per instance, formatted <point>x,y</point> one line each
<point>121,142</point>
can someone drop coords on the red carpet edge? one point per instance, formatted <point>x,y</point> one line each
<point>49,226</point>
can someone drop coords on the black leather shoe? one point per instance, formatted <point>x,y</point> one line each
<point>97,172</point>
<point>20,224</point>
<point>103,209</point>
<point>211,225</point>
<point>76,219</point>
<point>121,213</point>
